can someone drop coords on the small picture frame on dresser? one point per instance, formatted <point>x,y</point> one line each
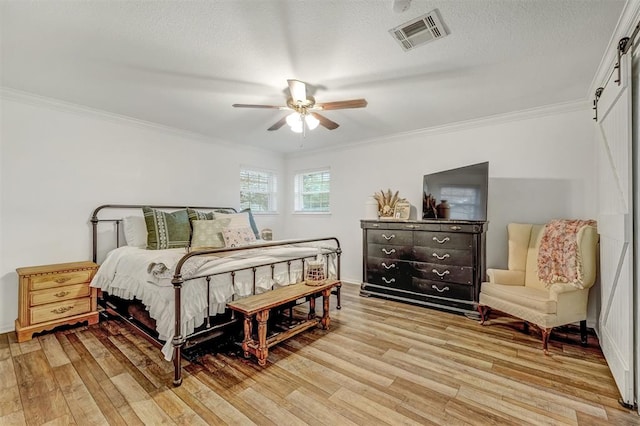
<point>402,211</point>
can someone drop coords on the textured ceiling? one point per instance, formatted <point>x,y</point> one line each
<point>182,64</point>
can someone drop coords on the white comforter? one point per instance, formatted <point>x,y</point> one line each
<point>131,272</point>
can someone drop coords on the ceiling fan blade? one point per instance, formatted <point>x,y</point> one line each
<point>278,124</point>
<point>353,103</point>
<point>259,106</point>
<point>325,122</point>
<point>298,91</point>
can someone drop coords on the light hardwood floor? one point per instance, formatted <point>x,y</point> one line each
<point>382,362</point>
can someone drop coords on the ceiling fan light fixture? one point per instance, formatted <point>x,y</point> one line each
<point>297,128</point>
<point>311,121</point>
<point>294,119</point>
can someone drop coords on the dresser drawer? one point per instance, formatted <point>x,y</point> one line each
<point>443,240</point>
<point>390,236</point>
<point>388,251</point>
<point>442,289</point>
<point>40,282</point>
<point>444,273</point>
<point>58,294</point>
<point>443,256</point>
<point>54,311</point>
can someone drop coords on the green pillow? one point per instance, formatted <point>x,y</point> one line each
<point>166,230</point>
<point>198,215</point>
<point>208,233</point>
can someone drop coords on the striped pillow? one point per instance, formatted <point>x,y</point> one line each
<point>166,230</point>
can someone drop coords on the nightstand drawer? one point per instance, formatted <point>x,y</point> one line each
<point>41,282</point>
<point>54,311</point>
<point>58,294</point>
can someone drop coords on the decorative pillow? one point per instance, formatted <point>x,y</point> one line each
<point>135,231</point>
<point>236,237</point>
<point>238,220</point>
<point>166,230</point>
<point>252,222</point>
<point>244,219</point>
<point>208,233</point>
<point>198,215</point>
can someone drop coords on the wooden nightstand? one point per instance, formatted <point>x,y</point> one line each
<point>53,295</point>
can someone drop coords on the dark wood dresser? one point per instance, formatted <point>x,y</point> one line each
<point>435,263</point>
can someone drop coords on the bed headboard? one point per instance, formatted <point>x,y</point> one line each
<point>116,212</point>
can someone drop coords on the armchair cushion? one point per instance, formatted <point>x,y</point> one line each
<point>532,298</point>
<point>504,277</point>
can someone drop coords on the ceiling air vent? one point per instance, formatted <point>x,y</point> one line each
<point>419,31</point>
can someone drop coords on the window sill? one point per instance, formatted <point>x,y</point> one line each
<point>302,213</point>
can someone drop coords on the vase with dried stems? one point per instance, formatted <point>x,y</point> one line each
<point>387,203</point>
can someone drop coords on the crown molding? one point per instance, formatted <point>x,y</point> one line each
<point>543,111</point>
<point>68,107</point>
<point>627,22</point>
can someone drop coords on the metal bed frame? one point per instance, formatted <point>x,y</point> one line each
<point>209,329</point>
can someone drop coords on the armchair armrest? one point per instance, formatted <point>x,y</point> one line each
<point>505,277</point>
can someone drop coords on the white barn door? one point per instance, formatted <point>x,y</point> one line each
<point>615,225</point>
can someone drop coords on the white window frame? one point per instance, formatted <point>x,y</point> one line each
<point>271,192</point>
<point>298,195</point>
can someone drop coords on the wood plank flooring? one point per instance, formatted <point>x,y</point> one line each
<point>382,362</point>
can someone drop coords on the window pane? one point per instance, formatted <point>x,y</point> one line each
<point>257,190</point>
<point>312,191</point>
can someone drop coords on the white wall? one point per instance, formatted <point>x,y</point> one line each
<point>59,162</point>
<point>540,166</point>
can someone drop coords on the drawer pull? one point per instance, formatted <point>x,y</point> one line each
<point>61,280</point>
<point>375,225</point>
<point>456,228</point>
<point>388,251</point>
<point>441,274</point>
<point>442,241</point>
<point>411,226</point>
<point>435,287</point>
<point>62,309</point>
<point>444,256</point>
<point>392,236</point>
<point>392,280</point>
<point>393,265</point>
<point>61,294</point>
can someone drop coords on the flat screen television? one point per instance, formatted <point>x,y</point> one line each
<point>464,188</point>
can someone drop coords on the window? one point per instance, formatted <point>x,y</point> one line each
<point>258,190</point>
<point>312,192</point>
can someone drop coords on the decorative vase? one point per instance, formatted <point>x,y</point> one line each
<point>443,210</point>
<point>371,209</point>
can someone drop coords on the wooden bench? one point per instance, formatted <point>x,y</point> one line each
<point>260,305</point>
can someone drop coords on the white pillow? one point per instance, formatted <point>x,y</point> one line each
<point>237,220</point>
<point>238,237</point>
<point>135,231</point>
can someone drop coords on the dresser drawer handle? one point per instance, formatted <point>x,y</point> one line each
<point>443,257</point>
<point>441,274</point>
<point>442,241</point>
<point>62,309</point>
<point>411,226</point>
<point>393,265</point>
<point>61,293</point>
<point>456,228</point>
<point>375,225</point>
<point>392,236</point>
<point>62,280</point>
<point>435,287</point>
<point>388,251</point>
<point>392,280</point>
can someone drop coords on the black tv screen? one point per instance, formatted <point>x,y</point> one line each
<point>464,188</point>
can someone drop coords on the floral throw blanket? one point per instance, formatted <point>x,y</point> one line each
<point>558,257</point>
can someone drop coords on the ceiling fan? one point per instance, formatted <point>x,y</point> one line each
<point>305,109</point>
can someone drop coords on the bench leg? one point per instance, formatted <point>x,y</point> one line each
<point>326,320</point>
<point>312,306</point>
<point>248,332</point>
<point>263,350</point>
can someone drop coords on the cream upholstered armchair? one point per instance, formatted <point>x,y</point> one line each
<point>519,291</point>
